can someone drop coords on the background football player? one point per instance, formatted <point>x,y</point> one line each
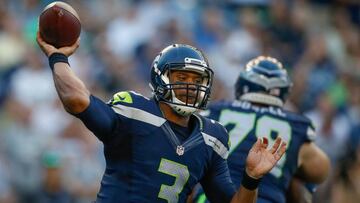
<point>300,191</point>
<point>261,91</point>
<point>157,149</point>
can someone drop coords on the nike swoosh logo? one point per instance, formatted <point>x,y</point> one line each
<point>121,98</point>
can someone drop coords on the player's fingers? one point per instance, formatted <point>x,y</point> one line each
<point>41,42</point>
<point>39,39</point>
<point>276,145</point>
<point>48,49</point>
<point>38,36</point>
<point>281,151</point>
<point>264,142</point>
<point>69,50</point>
<point>78,42</point>
<point>257,146</point>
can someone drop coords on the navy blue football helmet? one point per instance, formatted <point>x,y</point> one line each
<point>180,57</point>
<point>264,81</point>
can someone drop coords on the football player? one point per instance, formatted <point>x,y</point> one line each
<point>261,91</point>
<point>300,191</point>
<point>157,149</point>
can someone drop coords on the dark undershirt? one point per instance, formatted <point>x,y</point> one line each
<point>182,132</point>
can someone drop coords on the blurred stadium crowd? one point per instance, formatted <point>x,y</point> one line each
<point>48,156</point>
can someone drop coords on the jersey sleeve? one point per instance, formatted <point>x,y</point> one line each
<point>217,183</point>
<point>303,126</point>
<point>310,132</point>
<point>101,118</point>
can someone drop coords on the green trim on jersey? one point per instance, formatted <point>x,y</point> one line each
<point>122,97</point>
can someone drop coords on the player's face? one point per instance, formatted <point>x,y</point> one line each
<point>185,88</point>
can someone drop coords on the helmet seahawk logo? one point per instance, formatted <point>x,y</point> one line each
<point>122,97</point>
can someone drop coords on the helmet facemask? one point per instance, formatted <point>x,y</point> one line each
<point>185,98</point>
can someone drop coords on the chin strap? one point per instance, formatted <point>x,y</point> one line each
<point>182,110</point>
<point>262,99</point>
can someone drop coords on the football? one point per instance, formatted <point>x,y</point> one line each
<point>59,24</point>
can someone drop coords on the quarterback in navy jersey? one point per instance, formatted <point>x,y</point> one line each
<point>261,90</point>
<point>157,149</point>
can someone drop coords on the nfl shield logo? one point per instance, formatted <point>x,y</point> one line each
<point>180,150</point>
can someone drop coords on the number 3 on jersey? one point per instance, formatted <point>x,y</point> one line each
<point>181,174</point>
<point>265,126</point>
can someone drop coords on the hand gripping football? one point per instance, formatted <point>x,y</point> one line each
<point>59,24</point>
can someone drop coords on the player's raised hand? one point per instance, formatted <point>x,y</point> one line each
<point>49,49</point>
<point>260,160</point>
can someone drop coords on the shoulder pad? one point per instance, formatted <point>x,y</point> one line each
<point>214,128</point>
<point>121,97</point>
<point>306,123</point>
<point>127,98</point>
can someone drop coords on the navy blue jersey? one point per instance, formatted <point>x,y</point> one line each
<point>245,123</point>
<point>148,161</point>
